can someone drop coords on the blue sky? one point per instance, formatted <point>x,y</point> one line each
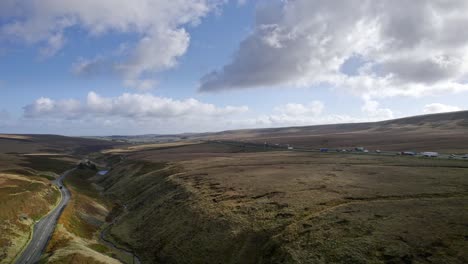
<point>150,66</point>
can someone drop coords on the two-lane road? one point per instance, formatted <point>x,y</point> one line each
<point>45,227</point>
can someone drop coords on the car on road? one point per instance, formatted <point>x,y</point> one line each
<point>430,154</point>
<point>465,157</point>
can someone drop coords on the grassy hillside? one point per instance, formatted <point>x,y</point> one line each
<point>28,163</point>
<point>447,132</point>
<point>219,204</point>
<point>76,238</point>
<point>26,194</point>
<point>51,144</point>
<point>23,199</point>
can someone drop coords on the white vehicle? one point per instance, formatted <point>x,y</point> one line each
<point>430,154</point>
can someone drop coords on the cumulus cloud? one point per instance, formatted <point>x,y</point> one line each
<point>315,108</point>
<point>145,113</point>
<point>371,108</point>
<point>158,25</point>
<point>127,105</point>
<point>440,108</point>
<point>295,114</point>
<point>409,48</point>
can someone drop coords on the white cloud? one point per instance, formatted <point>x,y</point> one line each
<point>440,108</point>
<point>294,114</point>
<point>54,44</point>
<point>158,24</point>
<point>409,48</point>
<point>315,108</point>
<point>144,113</point>
<point>156,52</point>
<point>127,105</point>
<point>371,108</point>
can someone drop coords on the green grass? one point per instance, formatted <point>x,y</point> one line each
<point>147,167</point>
<point>99,248</point>
<point>78,180</point>
<point>22,199</point>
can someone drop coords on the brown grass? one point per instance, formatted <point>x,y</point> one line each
<point>291,207</point>
<point>80,223</point>
<point>76,258</point>
<point>440,132</point>
<point>7,136</point>
<point>140,147</point>
<point>22,200</point>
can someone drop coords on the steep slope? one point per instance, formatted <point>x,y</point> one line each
<point>186,205</point>
<point>28,164</point>
<point>25,196</point>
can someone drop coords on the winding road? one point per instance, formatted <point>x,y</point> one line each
<point>45,227</point>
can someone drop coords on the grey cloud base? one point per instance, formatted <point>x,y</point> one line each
<point>410,47</point>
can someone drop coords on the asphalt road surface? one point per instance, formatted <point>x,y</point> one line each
<point>45,227</point>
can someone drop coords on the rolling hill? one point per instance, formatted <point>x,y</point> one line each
<point>446,132</point>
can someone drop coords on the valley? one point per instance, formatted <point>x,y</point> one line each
<point>233,200</point>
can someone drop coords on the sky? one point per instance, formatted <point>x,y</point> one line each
<point>118,67</point>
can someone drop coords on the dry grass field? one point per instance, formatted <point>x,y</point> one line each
<point>23,199</point>
<point>26,194</point>
<point>76,238</point>
<point>447,132</point>
<point>150,146</point>
<point>217,203</point>
<point>27,165</point>
<point>51,144</point>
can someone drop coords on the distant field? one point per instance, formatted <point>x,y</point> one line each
<point>447,132</point>
<point>151,146</point>
<point>222,203</point>
<point>14,137</point>
<point>28,144</point>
